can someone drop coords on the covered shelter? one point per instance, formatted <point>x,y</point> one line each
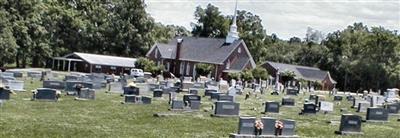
<point>93,63</point>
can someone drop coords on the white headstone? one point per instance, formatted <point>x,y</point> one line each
<point>16,85</point>
<point>326,106</point>
<point>232,92</point>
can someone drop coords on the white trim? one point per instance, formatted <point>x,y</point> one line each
<point>187,68</point>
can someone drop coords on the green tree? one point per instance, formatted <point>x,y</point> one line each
<point>260,73</point>
<point>210,22</point>
<point>203,69</point>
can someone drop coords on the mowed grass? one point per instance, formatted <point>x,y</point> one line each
<point>107,117</point>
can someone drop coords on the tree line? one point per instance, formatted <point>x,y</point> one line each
<point>33,31</point>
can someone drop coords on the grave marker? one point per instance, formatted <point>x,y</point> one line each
<point>269,126</point>
<point>45,94</point>
<point>350,124</point>
<point>4,94</point>
<point>377,114</point>
<point>271,107</point>
<point>225,108</point>
<point>59,85</point>
<point>326,106</point>
<point>246,125</point>
<point>287,101</point>
<point>363,106</point>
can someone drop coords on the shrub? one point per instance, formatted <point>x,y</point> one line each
<point>203,69</point>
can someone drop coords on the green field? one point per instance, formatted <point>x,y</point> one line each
<point>107,117</point>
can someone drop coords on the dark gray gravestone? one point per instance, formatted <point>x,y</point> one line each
<point>337,98</point>
<point>312,97</point>
<point>393,108</point>
<point>4,94</point>
<point>223,97</point>
<point>246,125</point>
<point>45,94</point>
<point>291,91</point>
<point>288,102</point>
<point>87,94</point>
<point>194,91</point>
<point>131,91</point>
<point>146,100</point>
<point>309,108</point>
<point>70,85</point>
<point>71,78</point>
<point>225,108</point>
<point>377,114</point>
<point>195,105</point>
<point>214,95</point>
<point>350,98</point>
<point>157,93</point>
<point>271,107</point>
<point>363,106</point>
<point>188,98</point>
<point>130,99</point>
<point>60,85</point>
<point>350,124</point>
<point>269,126</point>
<point>177,105</point>
<point>208,92</point>
<point>289,127</point>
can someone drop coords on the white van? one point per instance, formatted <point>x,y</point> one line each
<point>137,72</point>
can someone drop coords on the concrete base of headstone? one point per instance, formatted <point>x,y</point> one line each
<point>250,136</point>
<point>348,133</point>
<point>217,115</point>
<point>375,121</point>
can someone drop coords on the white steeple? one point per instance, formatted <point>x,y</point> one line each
<point>233,34</point>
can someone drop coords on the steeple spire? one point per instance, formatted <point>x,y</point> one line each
<point>233,34</point>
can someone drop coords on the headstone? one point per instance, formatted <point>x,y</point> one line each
<point>45,94</point>
<point>271,107</point>
<point>326,106</point>
<point>214,95</point>
<point>7,74</point>
<point>153,86</point>
<point>377,101</point>
<point>34,74</point>
<point>171,97</point>
<point>177,105</point>
<point>193,91</point>
<point>187,85</point>
<point>289,127</point>
<point>188,98</point>
<point>246,125</point>
<point>393,108</point>
<point>16,85</point>
<point>131,91</point>
<point>223,97</point>
<point>291,91</point>
<point>130,99</point>
<point>350,124</point>
<point>195,105</point>
<point>4,94</point>
<point>225,108</point>
<point>269,126</point>
<point>355,102</point>
<point>60,85</point>
<point>198,85</point>
<point>6,79</point>
<point>309,108</point>
<point>337,98</point>
<point>157,93</point>
<point>377,114</point>
<point>140,80</point>
<point>146,100</point>
<point>70,85</point>
<point>286,101</point>
<point>363,106</point>
<point>208,92</point>
<point>390,95</point>
<point>350,97</point>
<point>87,94</point>
<point>116,87</point>
<point>17,74</point>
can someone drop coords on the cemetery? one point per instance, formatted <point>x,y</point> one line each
<point>87,68</point>
<point>230,115</point>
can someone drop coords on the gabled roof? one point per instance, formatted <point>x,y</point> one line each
<point>303,72</point>
<point>198,49</point>
<point>104,59</point>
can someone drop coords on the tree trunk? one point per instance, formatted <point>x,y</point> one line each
<point>17,60</point>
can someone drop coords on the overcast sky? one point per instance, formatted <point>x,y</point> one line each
<point>288,18</point>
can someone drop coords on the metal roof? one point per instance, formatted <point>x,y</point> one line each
<point>106,60</point>
<point>303,72</point>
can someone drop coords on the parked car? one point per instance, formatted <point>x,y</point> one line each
<point>137,72</point>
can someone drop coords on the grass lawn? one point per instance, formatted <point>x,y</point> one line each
<point>107,117</point>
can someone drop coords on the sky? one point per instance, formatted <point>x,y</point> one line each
<point>287,18</point>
